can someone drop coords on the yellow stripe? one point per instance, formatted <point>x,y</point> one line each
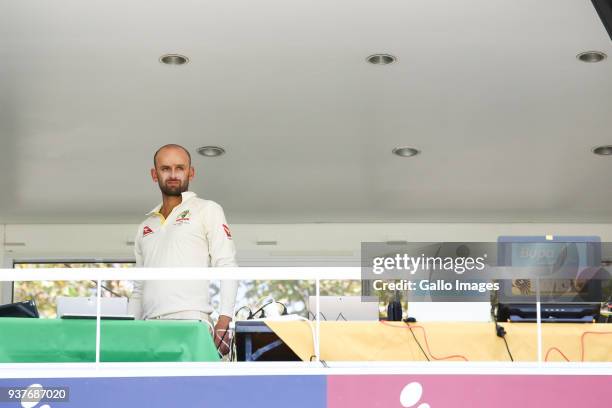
<point>161,216</point>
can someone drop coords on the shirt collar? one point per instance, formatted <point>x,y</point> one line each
<point>186,195</point>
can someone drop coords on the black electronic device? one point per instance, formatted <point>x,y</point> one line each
<point>394,311</point>
<point>21,309</point>
<point>549,312</point>
<point>571,293</point>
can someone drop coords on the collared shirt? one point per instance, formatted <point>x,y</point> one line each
<point>195,234</point>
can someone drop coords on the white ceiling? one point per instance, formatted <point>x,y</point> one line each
<point>489,90</point>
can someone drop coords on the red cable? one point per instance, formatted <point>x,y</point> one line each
<point>559,351</point>
<point>426,342</point>
<point>582,348</point>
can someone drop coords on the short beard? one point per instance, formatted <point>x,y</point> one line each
<point>173,191</point>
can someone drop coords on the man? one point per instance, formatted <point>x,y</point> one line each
<point>183,231</point>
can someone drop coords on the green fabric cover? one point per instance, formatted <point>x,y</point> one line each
<point>67,340</point>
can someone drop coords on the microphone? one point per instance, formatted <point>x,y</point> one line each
<point>104,287</point>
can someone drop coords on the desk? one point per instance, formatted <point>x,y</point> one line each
<point>448,341</point>
<point>60,340</point>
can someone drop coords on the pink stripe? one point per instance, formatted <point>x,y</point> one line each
<point>473,391</point>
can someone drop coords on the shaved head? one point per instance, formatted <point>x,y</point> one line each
<point>170,146</point>
<point>172,169</point>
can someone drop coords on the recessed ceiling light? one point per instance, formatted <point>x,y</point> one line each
<point>381,59</point>
<point>173,59</point>
<point>591,56</point>
<point>211,151</point>
<point>603,150</point>
<point>405,151</point>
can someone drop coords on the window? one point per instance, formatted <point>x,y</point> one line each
<point>45,292</point>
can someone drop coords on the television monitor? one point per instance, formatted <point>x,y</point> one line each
<point>569,298</point>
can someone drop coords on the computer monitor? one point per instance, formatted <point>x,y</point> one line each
<point>86,308</point>
<point>568,298</point>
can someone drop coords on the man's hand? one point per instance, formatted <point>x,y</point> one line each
<point>222,334</point>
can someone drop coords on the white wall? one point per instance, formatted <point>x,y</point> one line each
<point>323,242</point>
<point>69,241</point>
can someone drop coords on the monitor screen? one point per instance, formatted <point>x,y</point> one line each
<point>572,253</point>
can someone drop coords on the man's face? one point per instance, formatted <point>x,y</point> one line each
<point>172,171</point>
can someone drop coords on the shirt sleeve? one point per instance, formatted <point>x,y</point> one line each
<point>135,303</point>
<point>222,254</point>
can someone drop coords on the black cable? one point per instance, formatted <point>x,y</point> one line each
<point>104,287</point>
<point>244,307</point>
<point>508,348</point>
<point>252,314</point>
<point>501,332</point>
<point>415,339</point>
<point>261,309</point>
<point>323,362</point>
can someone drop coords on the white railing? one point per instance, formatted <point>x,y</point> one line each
<point>316,274</point>
<point>245,273</point>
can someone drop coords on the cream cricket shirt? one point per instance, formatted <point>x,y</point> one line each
<point>195,234</point>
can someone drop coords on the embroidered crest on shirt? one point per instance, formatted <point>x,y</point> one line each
<point>228,234</point>
<point>183,218</point>
<point>146,231</point>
